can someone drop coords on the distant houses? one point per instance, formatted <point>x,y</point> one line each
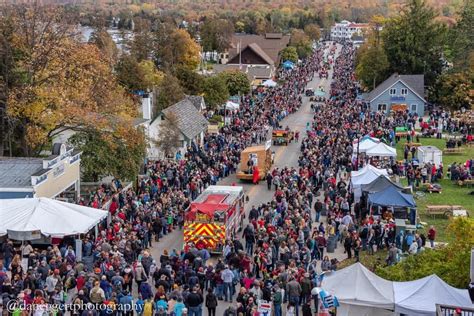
<point>398,93</point>
<point>346,31</point>
<point>255,55</point>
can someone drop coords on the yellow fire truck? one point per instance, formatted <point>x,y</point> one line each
<point>214,217</point>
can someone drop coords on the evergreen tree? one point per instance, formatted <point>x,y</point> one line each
<point>414,41</point>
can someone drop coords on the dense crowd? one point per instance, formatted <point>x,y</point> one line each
<point>116,262</point>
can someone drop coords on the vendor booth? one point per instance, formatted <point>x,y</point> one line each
<point>380,184</point>
<point>419,297</point>
<point>392,197</point>
<point>429,154</point>
<point>360,291</point>
<point>402,204</point>
<point>46,217</point>
<point>381,150</point>
<point>365,176</point>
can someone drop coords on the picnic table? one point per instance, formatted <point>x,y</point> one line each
<point>454,151</point>
<point>467,183</point>
<point>446,210</point>
<point>411,144</point>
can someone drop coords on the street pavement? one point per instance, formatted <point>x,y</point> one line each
<point>284,156</point>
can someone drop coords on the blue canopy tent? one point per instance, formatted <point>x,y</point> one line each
<point>392,197</point>
<point>288,65</point>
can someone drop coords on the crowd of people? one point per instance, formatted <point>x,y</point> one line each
<point>116,264</point>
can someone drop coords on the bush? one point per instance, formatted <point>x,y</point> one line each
<point>450,262</point>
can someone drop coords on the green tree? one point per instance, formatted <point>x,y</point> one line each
<point>215,91</point>
<point>190,80</point>
<point>136,75</point>
<point>372,65</point>
<point>236,81</point>
<point>462,39</point>
<point>169,92</point>
<point>450,262</point>
<point>313,31</point>
<point>117,153</point>
<point>453,90</point>
<point>414,41</point>
<point>289,53</point>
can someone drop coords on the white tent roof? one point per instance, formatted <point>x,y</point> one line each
<point>365,145</point>
<point>269,83</point>
<point>419,297</point>
<point>51,217</point>
<point>381,150</point>
<point>229,105</point>
<point>367,174</point>
<point>356,285</point>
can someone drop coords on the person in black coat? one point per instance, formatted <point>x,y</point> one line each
<point>211,302</point>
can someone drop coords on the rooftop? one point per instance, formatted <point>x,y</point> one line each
<point>271,44</point>
<point>189,120</point>
<point>414,82</point>
<point>17,172</point>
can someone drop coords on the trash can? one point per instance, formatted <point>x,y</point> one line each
<point>331,244</point>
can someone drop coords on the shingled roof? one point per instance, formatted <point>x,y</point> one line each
<point>271,44</point>
<point>416,83</point>
<point>190,121</point>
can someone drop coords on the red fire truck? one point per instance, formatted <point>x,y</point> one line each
<point>214,217</point>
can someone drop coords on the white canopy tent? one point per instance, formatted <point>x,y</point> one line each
<point>52,218</point>
<point>365,144</point>
<point>360,292</point>
<point>269,83</point>
<point>381,150</point>
<point>419,297</point>
<point>365,176</point>
<point>229,105</point>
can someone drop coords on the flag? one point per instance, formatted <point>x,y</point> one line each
<point>328,300</point>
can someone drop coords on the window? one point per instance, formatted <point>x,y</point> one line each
<point>404,91</point>
<point>393,91</point>
<point>413,107</point>
<point>382,107</point>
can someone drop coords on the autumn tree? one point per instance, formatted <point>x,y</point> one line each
<point>169,92</point>
<point>136,75</point>
<point>176,50</point>
<point>106,45</point>
<point>169,138</point>
<point>215,91</point>
<point>216,35</point>
<point>236,81</point>
<point>301,42</point>
<point>64,84</point>
<point>142,44</point>
<point>414,41</point>
<point>289,53</point>
<point>313,32</point>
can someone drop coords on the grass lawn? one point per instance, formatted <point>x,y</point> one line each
<point>369,261</point>
<point>452,193</point>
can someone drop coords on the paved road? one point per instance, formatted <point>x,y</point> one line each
<point>284,156</point>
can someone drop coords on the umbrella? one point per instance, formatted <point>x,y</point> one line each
<point>288,65</point>
<point>269,83</point>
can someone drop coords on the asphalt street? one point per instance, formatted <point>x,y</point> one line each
<point>284,156</point>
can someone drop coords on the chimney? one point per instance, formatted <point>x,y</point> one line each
<point>146,106</point>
